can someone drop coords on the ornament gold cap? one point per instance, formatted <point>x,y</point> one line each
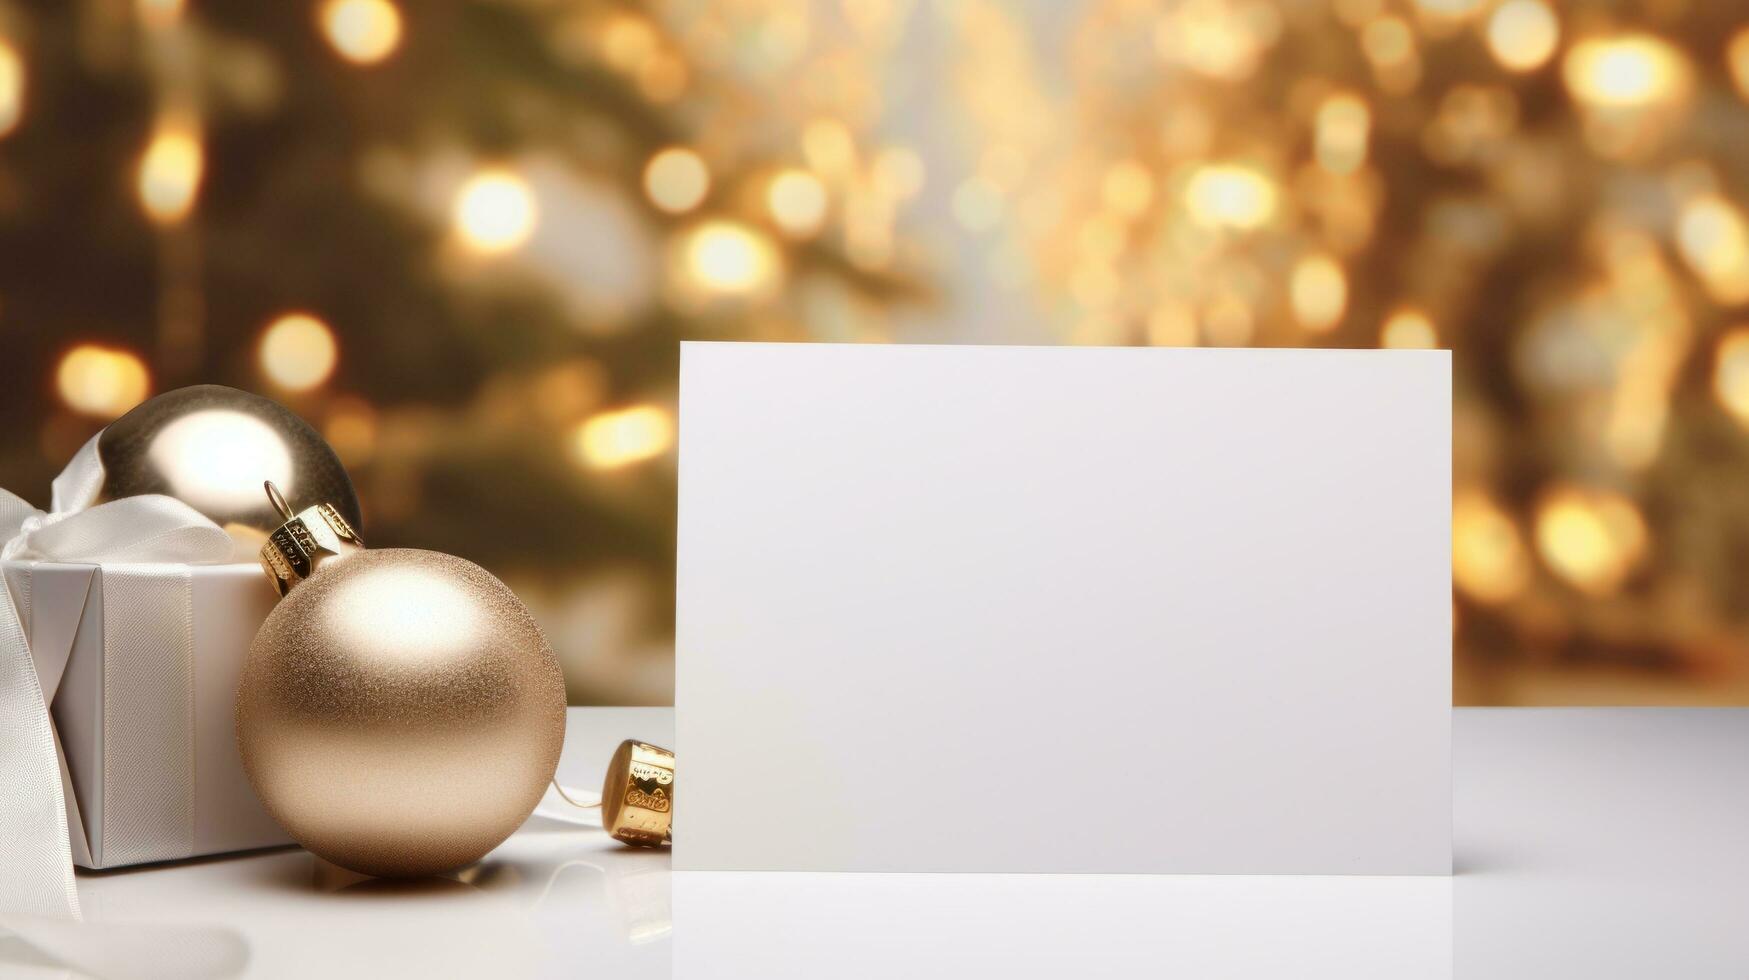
<point>304,541</point>
<point>637,797</point>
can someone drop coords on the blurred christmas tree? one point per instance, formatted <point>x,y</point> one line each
<point>463,238</point>
<point>1552,191</point>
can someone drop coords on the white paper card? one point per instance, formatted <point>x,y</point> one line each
<point>1064,610</point>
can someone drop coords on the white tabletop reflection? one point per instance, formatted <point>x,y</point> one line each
<point>1597,843</point>
<point>559,898</point>
<point>766,925</point>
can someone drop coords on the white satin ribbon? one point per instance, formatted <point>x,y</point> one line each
<point>36,866</point>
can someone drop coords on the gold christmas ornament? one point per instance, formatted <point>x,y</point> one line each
<point>637,795</point>
<point>211,446</point>
<point>400,712</point>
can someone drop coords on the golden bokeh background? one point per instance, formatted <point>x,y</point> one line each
<point>464,239</point>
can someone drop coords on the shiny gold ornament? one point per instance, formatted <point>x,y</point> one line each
<point>400,712</point>
<point>637,795</point>
<point>211,446</point>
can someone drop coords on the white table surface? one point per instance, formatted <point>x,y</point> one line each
<point>1589,843</point>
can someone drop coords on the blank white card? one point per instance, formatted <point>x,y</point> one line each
<point>1064,610</point>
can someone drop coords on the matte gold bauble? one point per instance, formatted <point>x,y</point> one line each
<point>211,446</point>
<point>400,712</point>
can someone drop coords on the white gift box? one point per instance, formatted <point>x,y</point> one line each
<point>139,663</point>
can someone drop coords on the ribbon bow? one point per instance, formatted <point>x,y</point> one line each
<point>38,866</point>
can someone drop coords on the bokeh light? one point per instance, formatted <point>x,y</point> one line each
<point>170,172</point>
<point>160,13</point>
<point>1523,34</point>
<point>616,439</point>
<point>1409,329</point>
<point>11,87</point>
<point>1128,188</point>
<point>1731,374</point>
<point>677,180</point>
<point>566,391</point>
<point>1450,10</point>
<point>1627,71</point>
<point>1172,324</point>
<point>361,31</point>
<point>495,212</point>
<point>1215,39</point>
<point>101,382</point>
<point>1318,291</point>
<point>797,202</point>
<point>898,172</point>
<point>352,429</point>
<point>1714,240</point>
<point>1489,561</point>
<point>829,147</point>
<point>629,42</point>
<point>1590,538</point>
<point>1737,57</point>
<point>1389,43</point>
<point>1340,136</point>
<point>1231,196</point>
<point>297,352</point>
<point>727,258</point>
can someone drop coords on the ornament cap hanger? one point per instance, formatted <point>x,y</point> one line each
<point>637,796</point>
<point>277,499</point>
<point>304,541</point>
